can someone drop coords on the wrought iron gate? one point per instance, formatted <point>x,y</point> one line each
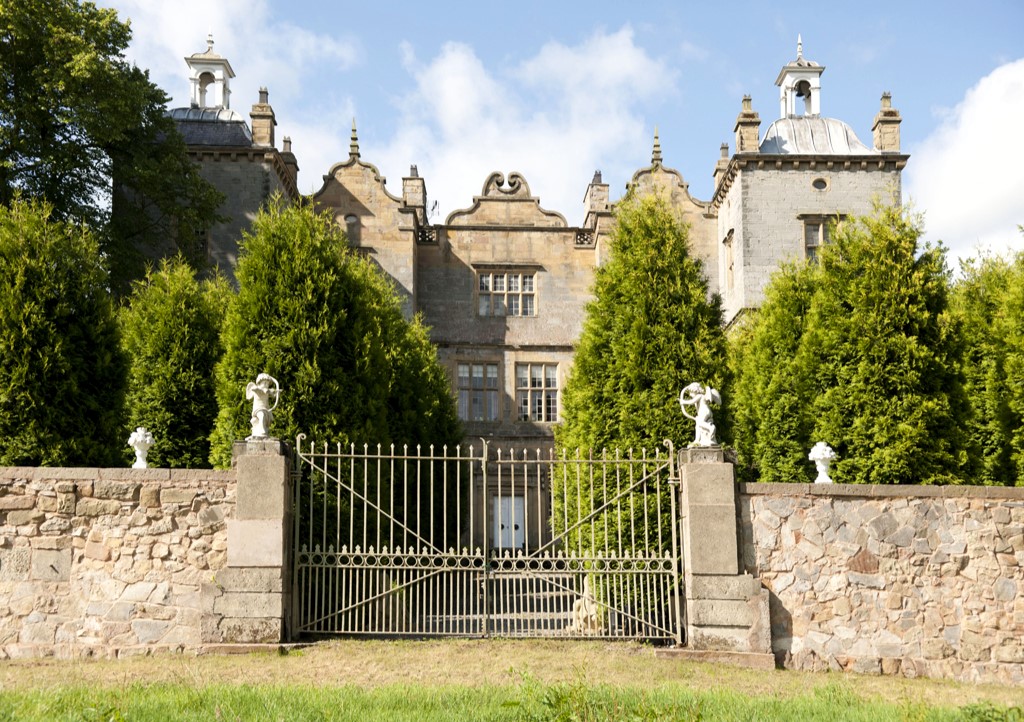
<point>468,542</point>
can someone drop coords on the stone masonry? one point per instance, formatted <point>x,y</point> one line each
<point>922,581</point>
<point>115,562</point>
<point>110,562</point>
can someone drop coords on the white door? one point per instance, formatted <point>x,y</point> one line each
<point>509,522</point>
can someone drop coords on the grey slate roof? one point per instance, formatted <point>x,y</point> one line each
<point>812,135</point>
<point>212,126</point>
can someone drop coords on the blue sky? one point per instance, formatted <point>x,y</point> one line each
<point>556,90</point>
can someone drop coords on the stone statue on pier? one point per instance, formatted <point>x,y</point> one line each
<point>822,455</point>
<point>259,392</point>
<point>140,441</point>
<point>701,397</point>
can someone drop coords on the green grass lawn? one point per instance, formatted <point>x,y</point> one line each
<point>527,701</point>
<point>467,680</point>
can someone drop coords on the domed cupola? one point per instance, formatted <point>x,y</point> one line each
<point>806,132</point>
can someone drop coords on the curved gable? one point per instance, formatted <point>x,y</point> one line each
<point>507,204</point>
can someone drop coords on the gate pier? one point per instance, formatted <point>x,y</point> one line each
<point>726,611</point>
<point>251,595</point>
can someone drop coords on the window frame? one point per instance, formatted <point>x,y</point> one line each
<point>500,289</point>
<point>825,223</point>
<point>487,395</point>
<point>537,395</point>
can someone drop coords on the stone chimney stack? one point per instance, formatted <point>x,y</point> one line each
<point>748,124</point>
<point>595,200</point>
<point>721,165</point>
<point>414,189</point>
<point>290,161</point>
<point>263,122</point>
<point>886,130</point>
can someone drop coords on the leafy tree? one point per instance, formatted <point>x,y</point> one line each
<point>170,329</point>
<point>649,331</point>
<point>76,120</point>
<point>329,327</point>
<point>62,373</point>
<point>876,368</point>
<point>772,399</point>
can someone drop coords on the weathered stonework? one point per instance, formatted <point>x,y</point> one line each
<point>923,581</point>
<point>110,562</point>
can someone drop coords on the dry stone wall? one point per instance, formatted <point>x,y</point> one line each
<point>924,581</point>
<point>111,562</point>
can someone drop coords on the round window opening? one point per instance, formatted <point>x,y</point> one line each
<point>819,184</point>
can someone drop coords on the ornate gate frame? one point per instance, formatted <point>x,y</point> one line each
<point>402,543</point>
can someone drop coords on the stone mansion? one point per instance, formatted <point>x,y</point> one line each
<point>502,284</point>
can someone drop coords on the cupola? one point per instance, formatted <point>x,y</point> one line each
<point>209,76</point>
<point>800,80</point>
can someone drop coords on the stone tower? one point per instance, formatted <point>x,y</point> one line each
<point>779,195</point>
<point>240,161</point>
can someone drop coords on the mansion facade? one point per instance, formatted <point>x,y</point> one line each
<point>503,283</point>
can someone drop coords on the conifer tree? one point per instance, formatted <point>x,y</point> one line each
<point>170,329</point>
<point>62,373</point>
<point>876,370</point>
<point>328,326</point>
<point>771,401</point>
<point>988,300</point>
<point>649,331</point>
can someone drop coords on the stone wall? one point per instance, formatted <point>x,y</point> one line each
<point>110,562</point>
<point>248,178</point>
<point>923,581</point>
<point>764,205</point>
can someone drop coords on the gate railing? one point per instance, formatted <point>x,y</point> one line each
<point>464,542</point>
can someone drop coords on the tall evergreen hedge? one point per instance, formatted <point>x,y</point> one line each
<point>863,354</point>
<point>170,328</point>
<point>988,300</point>
<point>650,330</point>
<point>62,373</point>
<point>329,327</point>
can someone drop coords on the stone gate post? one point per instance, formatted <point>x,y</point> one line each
<point>725,610</point>
<point>255,587</point>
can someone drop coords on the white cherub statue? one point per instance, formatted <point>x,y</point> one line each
<point>701,397</point>
<point>822,455</point>
<point>586,618</point>
<point>140,441</point>
<point>262,411</point>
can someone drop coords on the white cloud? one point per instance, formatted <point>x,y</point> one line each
<point>968,175</point>
<point>463,120</point>
<point>243,31</point>
<point>692,51</point>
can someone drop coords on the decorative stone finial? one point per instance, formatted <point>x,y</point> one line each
<point>264,95</point>
<point>597,177</point>
<point>748,104</point>
<point>799,47</point>
<point>886,100</point>
<point>725,150</point>
<point>259,392</point>
<point>209,42</point>
<point>287,144</point>
<point>656,153</point>
<point>353,147</point>
<point>701,397</point>
<point>140,441</point>
<point>822,455</point>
